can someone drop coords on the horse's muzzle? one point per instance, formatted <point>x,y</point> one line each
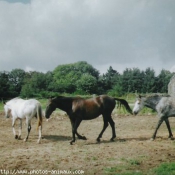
<point>7,116</point>
<point>47,115</point>
<point>135,113</point>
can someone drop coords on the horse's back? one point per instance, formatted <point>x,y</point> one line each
<point>14,101</point>
<point>30,106</point>
<point>93,107</point>
<point>103,102</point>
<point>167,101</point>
<point>166,106</point>
<point>32,102</point>
<point>108,102</point>
<point>22,108</point>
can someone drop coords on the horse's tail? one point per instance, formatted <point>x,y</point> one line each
<point>125,103</point>
<point>39,116</point>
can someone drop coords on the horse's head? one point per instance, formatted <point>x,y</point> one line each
<point>7,110</point>
<point>138,105</point>
<point>51,106</point>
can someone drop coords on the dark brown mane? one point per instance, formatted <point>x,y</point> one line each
<point>67,98</point>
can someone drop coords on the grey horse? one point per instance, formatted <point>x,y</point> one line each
<point>164,105</point>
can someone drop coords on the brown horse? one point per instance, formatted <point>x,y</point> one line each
<point>79,109</point>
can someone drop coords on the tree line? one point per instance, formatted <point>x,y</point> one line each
<point>81,78</point>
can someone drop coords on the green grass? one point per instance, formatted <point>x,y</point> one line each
<point>128,169</point>
<point>1,106</point>
<point>165,169</point>
<point>121,170</point>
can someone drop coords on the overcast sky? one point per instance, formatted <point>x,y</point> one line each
<point>42,34</point>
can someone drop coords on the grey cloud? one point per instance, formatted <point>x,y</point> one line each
<point>43,34</point>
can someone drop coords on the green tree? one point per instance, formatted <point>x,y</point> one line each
<point>34,84</point>
<point>117,90</point>
<point>137,78</point>
<point>132,80</point>
<point>66,77</point>
<point>149,83</point>
<point>87,84</point>
<point>49,83</point>
<point>110,79</point>
<point>16,78</point>
<point>27,91</point>
<point>162,81</point>
<point>4,85</point>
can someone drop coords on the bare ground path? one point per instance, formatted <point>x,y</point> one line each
<point>132,151</point>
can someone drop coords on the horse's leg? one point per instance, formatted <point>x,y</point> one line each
<point>20,128</point>
<point>112,123</point>
<point>104,128</point>
<point>74,129</point>
<point>13,128</point>
<point>40,133</point>
<point>79,136</point>
<point>158,125</point>
<point>28,123</point>
<point>169,128</point>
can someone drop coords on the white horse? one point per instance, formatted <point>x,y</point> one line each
<point>20,109</point>
<point>164,105</point>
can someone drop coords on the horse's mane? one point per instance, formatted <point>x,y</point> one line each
<point>67,97</point>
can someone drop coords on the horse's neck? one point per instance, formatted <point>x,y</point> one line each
<point>64,104</point>
<point>152,103</point>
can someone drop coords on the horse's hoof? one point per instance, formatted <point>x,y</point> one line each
<point>84,138</point>
<point>171,138</point>
<point>98,140</point>
<point>25,140</point>
<point>112,139</point>
<point>16,136</point>
<point>38,141</point>
<point>71,143</point>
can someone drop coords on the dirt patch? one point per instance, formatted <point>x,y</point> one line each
<point>131,151</point>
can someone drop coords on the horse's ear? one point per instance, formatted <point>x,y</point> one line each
<point>50,99</point>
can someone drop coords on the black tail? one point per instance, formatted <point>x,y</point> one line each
<point>125,103</point>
